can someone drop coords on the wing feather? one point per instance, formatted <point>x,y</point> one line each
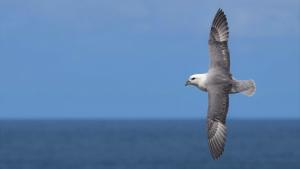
<point>217,43</point>
<point>218,138</point>
<point>218,101</point>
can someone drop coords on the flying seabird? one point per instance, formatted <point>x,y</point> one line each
<point>219,83</point>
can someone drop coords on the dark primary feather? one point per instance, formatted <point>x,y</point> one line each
<point>217,43</point>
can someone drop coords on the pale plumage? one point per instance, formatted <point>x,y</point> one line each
<point>219,83</point>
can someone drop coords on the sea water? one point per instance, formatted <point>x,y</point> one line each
<point>146,144</point>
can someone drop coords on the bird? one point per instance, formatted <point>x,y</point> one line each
<point>218,82</point>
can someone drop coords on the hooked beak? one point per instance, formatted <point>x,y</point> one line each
<point>187,83</point>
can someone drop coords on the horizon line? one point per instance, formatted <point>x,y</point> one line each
<point>142,118</point>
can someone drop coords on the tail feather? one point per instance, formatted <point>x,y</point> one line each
<point>247,87</point>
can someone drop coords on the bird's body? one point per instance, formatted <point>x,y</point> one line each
<point>218,83</point>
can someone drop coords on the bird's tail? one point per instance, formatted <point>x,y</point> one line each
<point>247,87</point>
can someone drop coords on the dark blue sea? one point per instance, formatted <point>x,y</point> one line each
<point>146,144</point>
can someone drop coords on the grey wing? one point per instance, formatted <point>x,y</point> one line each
<point>218,103</point>
<point>218,37</point>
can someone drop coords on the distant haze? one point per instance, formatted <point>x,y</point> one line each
<point>130,59</point>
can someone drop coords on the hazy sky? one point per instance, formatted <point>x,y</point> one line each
<point>131,58</point>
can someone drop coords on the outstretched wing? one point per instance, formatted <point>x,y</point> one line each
<point>218,103</point>
<point>218,37</point>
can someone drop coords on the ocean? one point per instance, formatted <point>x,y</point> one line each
<point>146,144</point>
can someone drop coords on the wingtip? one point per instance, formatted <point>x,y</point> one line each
<point>219,27</point>
<point>220,10</point>
<point>214,155</point>
<point>217,157</point>
<point>216,142</point>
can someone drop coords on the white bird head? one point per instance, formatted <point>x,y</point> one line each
<point>197,80</point>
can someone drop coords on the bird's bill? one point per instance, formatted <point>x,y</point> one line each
<point>187,83</point>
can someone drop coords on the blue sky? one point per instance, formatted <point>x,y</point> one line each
<point>130,58</point>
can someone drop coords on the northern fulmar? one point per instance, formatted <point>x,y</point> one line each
<point>219,83</point>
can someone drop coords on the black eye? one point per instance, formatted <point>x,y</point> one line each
<point>193,78</point>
